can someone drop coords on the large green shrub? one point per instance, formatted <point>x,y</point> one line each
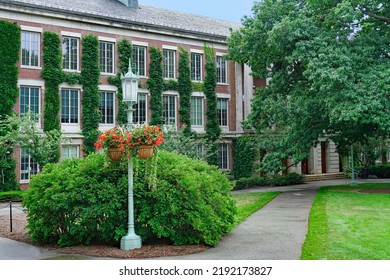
<point>270,180</point>
<point>85,200</point>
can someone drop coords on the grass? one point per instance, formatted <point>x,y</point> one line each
<point>345,224</point>
<point>11,195</point>
<point>248,203</point>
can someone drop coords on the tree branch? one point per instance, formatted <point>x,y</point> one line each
<point>370,13</point>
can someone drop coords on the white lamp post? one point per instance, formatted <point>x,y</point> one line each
<point>130,92</point>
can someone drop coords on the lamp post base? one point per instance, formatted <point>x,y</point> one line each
<point>131,241</point>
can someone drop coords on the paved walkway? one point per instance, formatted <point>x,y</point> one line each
<point>276,232</point>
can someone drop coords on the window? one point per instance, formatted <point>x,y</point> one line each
<point>196,67</point>
<point>69,106</point>
<point>28,166</point>
<point>69,151</point>
<point>169,64</point>
<point>70,53</point>
<point>106,57</point>
<point>139,115</point>
<point>221,70</point>
<point>196,111</point>
<point>139,59</point>
<point>169,103</point>
<point>107,107</point>
<point>223,156</point>
<point>200,151</point>
<point>30,48</point>
<point>222,111</point>
<point>29,101</point>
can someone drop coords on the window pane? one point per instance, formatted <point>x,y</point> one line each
<point>28,166</point>
<point>139,60</point>
<point>222,156</point>
<point>169,64</point>
<point>65,53</point>
<point>69,106</point>
<point>221,70</point>
<point>169,109</point>
<point>222,111</point>
<point>196,111</point>
<point>139,115</point>
<point>196,67</point>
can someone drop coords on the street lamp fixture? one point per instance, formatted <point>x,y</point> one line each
<point>130,93</point>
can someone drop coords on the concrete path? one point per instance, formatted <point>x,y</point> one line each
<point>276,232</point>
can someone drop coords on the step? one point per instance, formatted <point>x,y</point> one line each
<point>325,176</point>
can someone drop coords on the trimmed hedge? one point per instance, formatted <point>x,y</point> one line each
<point>84,201</point>
<point>378,170</point>
<point>274,180</point>
<point>16,195</point>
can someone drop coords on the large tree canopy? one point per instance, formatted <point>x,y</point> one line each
<point>329,64</point>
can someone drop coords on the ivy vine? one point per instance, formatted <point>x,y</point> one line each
<point>185,90</point>
<point>156,84</point>
<point>90,74</point>
<point>213,130</point>
<point>243,157</point>
<point>9,53</point>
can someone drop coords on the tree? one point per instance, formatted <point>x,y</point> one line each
<point>329,64</point>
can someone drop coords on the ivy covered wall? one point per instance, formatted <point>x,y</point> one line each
<point>9,53</point>
<point>185,90</point>
<point>155,86</point>
<point>243,156</point>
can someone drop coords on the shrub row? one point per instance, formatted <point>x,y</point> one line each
<point>274,180</point>
<point>16,195</point>
<point>84,201</point>
<point>378,170</point>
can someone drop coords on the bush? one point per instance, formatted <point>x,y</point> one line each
<point>11,195</point>
<point>84,201</point>
<point>272,180</point>
<point>378,170</point>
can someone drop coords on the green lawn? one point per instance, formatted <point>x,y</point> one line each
<point>248,203</point>
<point>348,225</point>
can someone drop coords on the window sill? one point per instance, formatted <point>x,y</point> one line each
<point>30,67</point>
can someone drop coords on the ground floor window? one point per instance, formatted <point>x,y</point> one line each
<point>223,156</point>
<point>169,102</point>
<point>70,151</point>
<point>139,115</point>
<point>28,166</point>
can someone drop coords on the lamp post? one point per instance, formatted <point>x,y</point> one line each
<point>130,89</point>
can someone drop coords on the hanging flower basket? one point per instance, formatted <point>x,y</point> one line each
<point>115,154</point>
<point>145,151</point>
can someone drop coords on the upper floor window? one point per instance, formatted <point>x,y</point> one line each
<point>169,64</point>
<point>221,70</point>
<point>70,53</point>
<point>196,111</point>
<point>196,67</point>
<point>29,101</point>
<point>69,106</point>
<point>30,48</point>
<point>222,111</point>
<point>106,50</point>
<point>223,156</point>
<point>169,113</point>
<point>28,166</point>
<point>139,60</point>
<point>107,107</point>
<point>139,115</point>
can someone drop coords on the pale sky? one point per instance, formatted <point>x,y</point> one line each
<point>230,10</point>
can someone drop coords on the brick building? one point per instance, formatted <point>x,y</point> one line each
<point>112,21</point>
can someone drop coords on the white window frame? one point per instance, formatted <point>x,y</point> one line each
<point>221,71</point>
<point>201,112</point>
<point>105,106</point>
<point>227,111</point>
<point>30,162</point>
<point>221,163</point>
<point>64,146</point>
<point>165,60</point>
<point>105,72</point>
<point>200,67</point>
<point>174,96</point>
<point>67,69</point>
<point>31,30</point>
<point>137,62</point>
<point>137,109</point>
<point>29,100</point>
<point>71,127</point>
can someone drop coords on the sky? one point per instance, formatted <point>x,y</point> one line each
<point>230,10</point>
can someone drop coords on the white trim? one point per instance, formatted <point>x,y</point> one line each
<point>70,34</point>
<point>31,82</point>
<point>107,39</point>
<point>143,90</point>
<point>170,92</point>
<point>30,67</point>
<point>221,54</point>
<point>31,28</point>
<point>141,44</point>
<point>224,95</point>
<point>108,88</point>
<point>198,94</point>
<point>197,51</point>
<point>172,48</point>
